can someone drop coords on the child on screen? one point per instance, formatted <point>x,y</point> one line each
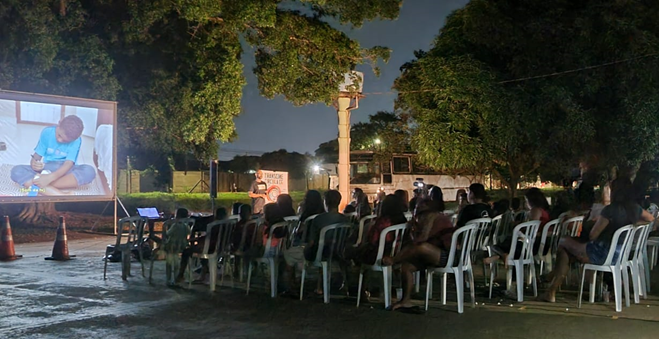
<point>55,155</point>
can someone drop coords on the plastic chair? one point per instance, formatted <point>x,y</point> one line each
<point>614,265</point>
<point>481,240</point>
<point>336,245</point>
<point>634,261</point>
<point>238,253</point>
<point>270,260</point>
<point>464,238</point>
<point>168,266</point>
<point>653,248</point>
<point>224,230</point>
<point>397,243</point>
<point>554,227</point>
<point>572,227</point>
<point>134,228</point>
<point>368,222</point>
<point>525,232</point>
<point>454,219</point>
<point>409,215</point>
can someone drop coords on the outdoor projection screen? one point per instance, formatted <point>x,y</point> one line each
<point>71,141</point>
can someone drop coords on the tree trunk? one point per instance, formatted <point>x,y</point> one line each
<point>38,213</point>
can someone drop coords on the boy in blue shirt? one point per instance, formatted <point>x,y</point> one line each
<point>55,155</point>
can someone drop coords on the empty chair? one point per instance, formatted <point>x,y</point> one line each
<point>221,231</point>
<point>524,236</point>
<point>612,264</point>
<point>332,242</point>
<point>634,261</point>
<point>393,247</point>
<point>458,263</point>
<point>161,241</point>
<point>132,230</point>
<point>482,240</point>
<point>271,254</point>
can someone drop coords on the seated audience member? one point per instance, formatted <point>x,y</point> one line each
<point>477,208</point>
<point>501,207</point>
<point>621,212</point>
<point>432,232</point>
<point>197,244</point>
<point>272,216</point>
<point>235,208</point>
<point>537,203</point>
<point>463,201</point>
<point>242,237</point>
<point>332,216</point>
<point>362,207</point>
<point>285,203</point>
<point>403,197</point>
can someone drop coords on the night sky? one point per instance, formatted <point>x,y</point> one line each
<point>268,125</point>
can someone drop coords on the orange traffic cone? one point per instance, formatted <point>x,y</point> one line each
<point>61,248</point>
<point>7,242</point>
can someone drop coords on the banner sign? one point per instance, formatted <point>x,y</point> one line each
<point>277,183</point>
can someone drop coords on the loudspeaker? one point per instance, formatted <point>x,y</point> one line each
<point>213,174</point>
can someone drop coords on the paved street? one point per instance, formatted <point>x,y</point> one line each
<point>44,299</point>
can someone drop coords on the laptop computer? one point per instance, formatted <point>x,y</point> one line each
<point>148,212</point>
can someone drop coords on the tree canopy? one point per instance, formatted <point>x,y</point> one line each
<point>385,133</point>
<point>175,66</point>
<point>519,87</point>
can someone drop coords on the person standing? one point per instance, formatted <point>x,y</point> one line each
<point>258,193</point>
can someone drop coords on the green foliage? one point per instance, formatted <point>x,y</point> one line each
<point>472,114</point>
<point>391,130</point>
<point>175,66</point>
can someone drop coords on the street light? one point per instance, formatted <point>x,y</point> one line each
<point>377,141</point>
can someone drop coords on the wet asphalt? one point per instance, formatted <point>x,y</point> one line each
<point>45,299</point>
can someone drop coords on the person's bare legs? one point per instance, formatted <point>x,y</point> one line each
<point>567,248</point>
<point>425,252</point>
<point>407,276</point>
<point>65,182</point>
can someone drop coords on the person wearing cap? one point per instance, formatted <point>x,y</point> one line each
<point>477,208</point>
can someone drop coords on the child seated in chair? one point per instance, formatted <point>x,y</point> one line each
<point>175,243</point>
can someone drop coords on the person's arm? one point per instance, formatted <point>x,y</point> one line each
<point>36,163</point>
<point>647,216</point>
<point>426,228</point>
<point>600,225</point>
<point>535,214</point>
<point>46,179</point>
<point>253,192</point>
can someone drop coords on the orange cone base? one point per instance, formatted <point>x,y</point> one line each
<point>17,256</point>
<point>70,257</point>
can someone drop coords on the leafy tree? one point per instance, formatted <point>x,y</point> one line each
<point>385,133</point>
<point>175,66</point>
<point>509,87</point>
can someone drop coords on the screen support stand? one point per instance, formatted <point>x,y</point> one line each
<point>117,200</point>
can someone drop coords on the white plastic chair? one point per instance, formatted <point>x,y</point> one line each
<point>387,271</point>
<point>481,239</point>
<point>634,261</point>
<point>367,222</point>
<point>572,227</point>
<point>448,213</point>
<point>620,240</point>
<point>653,248</point>
<point>524,235</point>
<point>169,268</point>
<point>548,241</point>
<point>222,249</point>
<point>462,243</point>
<point>270,260</point>
<point>336,245</point>
<point>134,228</point>
<point>238,252</point>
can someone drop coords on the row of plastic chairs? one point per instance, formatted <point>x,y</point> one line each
<point>626,256</point>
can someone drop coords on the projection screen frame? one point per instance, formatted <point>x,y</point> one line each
<point>68,101</point>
